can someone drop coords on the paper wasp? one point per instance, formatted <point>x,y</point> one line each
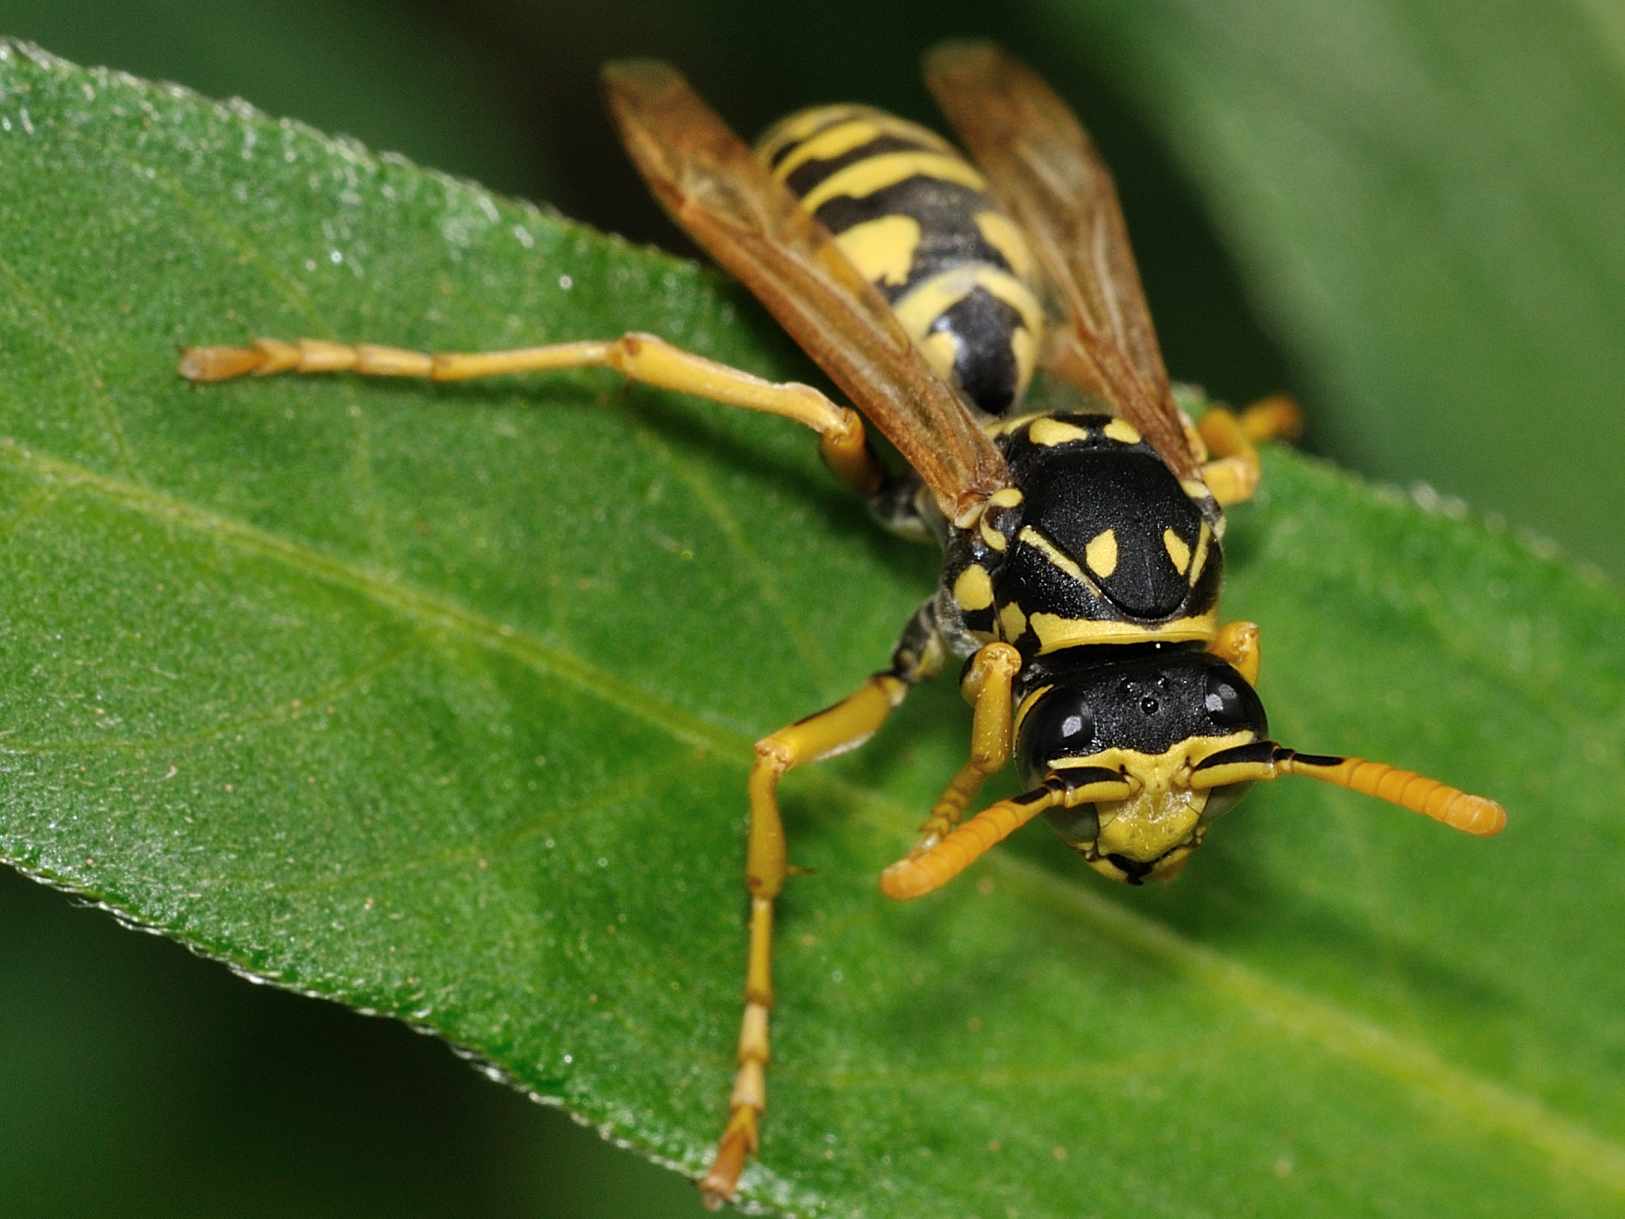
<point>1082,547</point>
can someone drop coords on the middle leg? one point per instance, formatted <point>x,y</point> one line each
<point>846,725</point>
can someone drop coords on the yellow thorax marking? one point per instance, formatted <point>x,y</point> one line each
<point>1101,553</point>
<point>1048,431</point>
<point>1055,555</point>
<point>1123,431</point>
<point>1012,621</point>
<point>1056,632</point>
<point>973,590</point>
<point>1179,552</point>
<point>1203,539</point>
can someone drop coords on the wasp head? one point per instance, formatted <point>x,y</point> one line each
<point>1122,736</point>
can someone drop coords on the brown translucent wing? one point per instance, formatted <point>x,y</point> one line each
<point>1046,172</point>
<point>712,186</point>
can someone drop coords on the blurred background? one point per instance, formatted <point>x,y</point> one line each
<point>1403,214</point>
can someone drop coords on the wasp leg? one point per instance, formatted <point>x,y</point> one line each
<point>637,357</point>
<point>986,687</point>
<point>846,725</point>
<point>1236,643</point>
<point>1230,439</point>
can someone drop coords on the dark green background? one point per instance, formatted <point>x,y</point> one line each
<point>1463,181</point>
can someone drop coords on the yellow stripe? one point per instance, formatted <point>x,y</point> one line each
<point>872,174</point>
<point>1055,632</point>
<point>1200,558</point>
<point>842,137</point>
<point>882,249</point>
<point>928,301</point>
<point>1179,551</point>
<point>1005,236</point>
<point>793,128</point>
<point>1057,557</point>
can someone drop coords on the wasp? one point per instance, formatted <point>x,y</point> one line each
<point>1082,547</point>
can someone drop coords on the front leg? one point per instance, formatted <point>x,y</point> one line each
<point>849,723</point>
<point>986,686</point>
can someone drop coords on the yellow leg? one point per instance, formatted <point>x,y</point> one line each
<point>846,725</point>
<point>987,688</point>
<point>1237,645</point>
<point>1232,472</point>
<point>637,357</point>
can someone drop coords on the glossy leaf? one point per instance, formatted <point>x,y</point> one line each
<point>438,702</point>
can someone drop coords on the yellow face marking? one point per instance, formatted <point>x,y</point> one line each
<point>1199,561</point>
<point>882,249</point>
<point>1122,431</point>
<point>1056,557</point>
<point>1006,497</point>
<point>1101,553</point>
<point>1047,431</point>
<point>865,177</point>
<point>973,590</point>
<point>1179,553</point>
<point>1055,632</point>
<point>1005,236</point>
<point>1012,621</point>
<point>1195,488</point>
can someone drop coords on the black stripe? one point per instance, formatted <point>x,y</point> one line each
<point>1259,752</point>
<point>807,176</point>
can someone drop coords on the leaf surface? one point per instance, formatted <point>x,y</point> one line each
<point>438,702</point>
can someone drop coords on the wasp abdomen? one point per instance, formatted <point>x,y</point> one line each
<point>915,217</point>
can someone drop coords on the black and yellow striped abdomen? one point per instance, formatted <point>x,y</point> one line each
<point>917,219</point>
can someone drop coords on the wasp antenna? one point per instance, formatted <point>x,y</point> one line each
<point>937,865</point>
<point>1261,761</point>
<point>1459,810</point>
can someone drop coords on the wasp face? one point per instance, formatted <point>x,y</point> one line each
<point>1124,732</point>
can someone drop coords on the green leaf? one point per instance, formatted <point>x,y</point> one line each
<point>438,702</point>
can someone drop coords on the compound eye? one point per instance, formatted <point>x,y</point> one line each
<point>1230,702</point>
<point>1065,728</point>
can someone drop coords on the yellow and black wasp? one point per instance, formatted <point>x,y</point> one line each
<point>1082,547</point>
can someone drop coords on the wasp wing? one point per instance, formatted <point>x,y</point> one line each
<point>1046,172</point>
<point>712,186</point>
